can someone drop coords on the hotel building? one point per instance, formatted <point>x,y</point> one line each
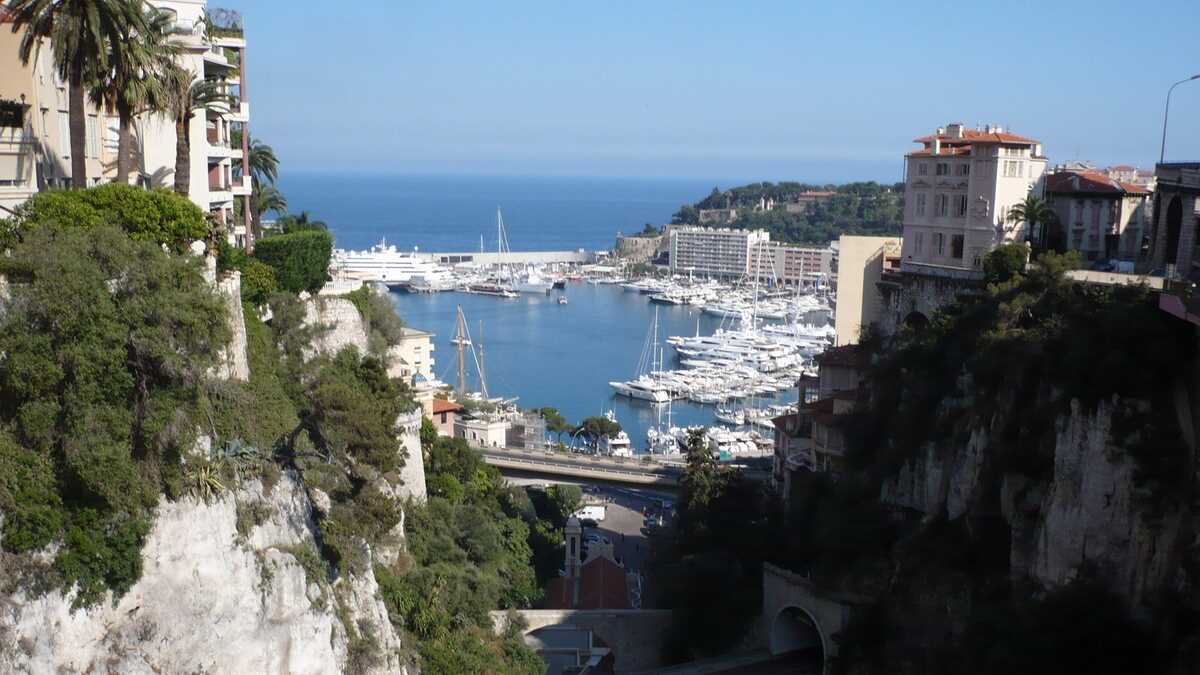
<point>714,252</point>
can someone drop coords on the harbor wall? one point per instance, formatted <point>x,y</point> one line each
<point>579,256</point>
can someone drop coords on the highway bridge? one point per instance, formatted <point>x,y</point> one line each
<point>649,472</point>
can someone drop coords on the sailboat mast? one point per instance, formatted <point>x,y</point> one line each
<point>460,339</point>
<point>482,370</point>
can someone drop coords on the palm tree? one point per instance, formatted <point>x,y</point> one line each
<point>264,165</point>
<point>188,95</point>
<point>1038,215</point>
<point>82,34</point>
<point>134,81</point>
<point>296,223</point>
<point>264,197</point>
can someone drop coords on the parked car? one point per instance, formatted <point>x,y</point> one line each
<point>588,522</point>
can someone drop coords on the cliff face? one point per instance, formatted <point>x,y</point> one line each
<point>1085,513</point>
<point>228,586</point>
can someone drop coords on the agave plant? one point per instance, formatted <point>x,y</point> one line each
<point>204,482</point>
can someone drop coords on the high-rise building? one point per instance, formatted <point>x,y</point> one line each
<point>714,252</point>
<point>959,190</point>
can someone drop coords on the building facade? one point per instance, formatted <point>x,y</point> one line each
<point>860,264</point>
<point>959,189</point>
<point>35,146</point>
<point>790,265</point>
<point>1099,216</point>
<point>1176,215</point>
<point>714,252</point>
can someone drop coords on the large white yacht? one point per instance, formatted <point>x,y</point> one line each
<point>385,263</point>
<point>645,388</point>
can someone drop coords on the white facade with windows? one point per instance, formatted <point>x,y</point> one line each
<point>959,189</point>
<point>714,252</point>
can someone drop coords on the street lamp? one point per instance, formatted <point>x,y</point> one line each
<point>1163,149</point>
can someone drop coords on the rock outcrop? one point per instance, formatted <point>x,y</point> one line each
<point>228,586</point>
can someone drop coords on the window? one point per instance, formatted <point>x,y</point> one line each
<point>939,243</point>
<point>112,135</point>
<point>922,169</point>
<point>964,169</point>
<point>943,169</point>
<point>956,247</point>
<point>93,136</point>
<point>921,204</point>
<point>960,205</point>
<point>918,242</point>
<point>1014,169</point>
<point>45,123</point>
<point>940,205</point>
<point>64,134</point>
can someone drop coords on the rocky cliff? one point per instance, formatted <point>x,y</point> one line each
<point>233,585</point>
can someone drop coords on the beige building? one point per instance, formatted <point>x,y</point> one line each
<point>959,189</point>
<point>789,264</point>
<point>1099,216</point>
<point>35,146</point>
<point>713,252</point>
<point>860,266</point>
<point>482,432</point>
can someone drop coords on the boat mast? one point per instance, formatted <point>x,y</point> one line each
<point>460,339</point>
<point>482,377</point>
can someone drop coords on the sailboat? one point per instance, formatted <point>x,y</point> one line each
<point>645,386</point>
<point>527,280</point>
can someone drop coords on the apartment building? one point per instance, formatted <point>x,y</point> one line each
<point>959,189</point>
<point>35,141</point>
<point>1099,216</point>
<point>714,252</point>
<point>35,147</point>
<point>214,47</point>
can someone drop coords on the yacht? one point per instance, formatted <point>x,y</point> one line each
<point>616,446</point>
<point>645,388</point>
<point>531,281</point>
<point>385,263</point>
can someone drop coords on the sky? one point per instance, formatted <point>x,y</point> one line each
<point>830,91</point>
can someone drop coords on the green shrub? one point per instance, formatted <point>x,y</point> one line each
<point>258,281</point>
<point>158,216</point>
<point>300,259</point>
<point>1005,262</point>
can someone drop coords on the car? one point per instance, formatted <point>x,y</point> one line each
<point>595,538</point>
<point>589,522</point>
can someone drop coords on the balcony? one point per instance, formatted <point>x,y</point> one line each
<point>242,187</point>
<point>942,271</point>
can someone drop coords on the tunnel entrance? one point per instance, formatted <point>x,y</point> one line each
<point>795,634</point>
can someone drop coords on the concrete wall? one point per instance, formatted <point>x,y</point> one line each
<point>638,249</point>
<point>235,363</point>
<point>795,611</point>
<point>635,636</point>
<point>860,266</point>
<point>413,474</point>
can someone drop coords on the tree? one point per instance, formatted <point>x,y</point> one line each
<point>298,223</point>
<point>258,281</point>
<point>265,198</point>
<point>134,80</point>
<point>555,422</point>
<point>564,500</point>
<point>82,34</point>
<point>701,479</point>
<point>598,427</point>
<point>1039,217</point>
<point>187,96</point>
<point>1004,262</point>
<point>264,165</point>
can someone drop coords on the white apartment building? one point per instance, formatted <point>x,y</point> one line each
<point>35,144</point>
<point>958,192</point>
<point>714,252</point>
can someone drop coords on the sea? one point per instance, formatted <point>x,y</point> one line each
<point>535,350</point>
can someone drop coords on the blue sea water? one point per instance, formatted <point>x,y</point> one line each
<point>450,213</point>
<point>536,350</point>
<point>547,354</point>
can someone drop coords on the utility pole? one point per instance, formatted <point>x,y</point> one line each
<point>1166,111</point>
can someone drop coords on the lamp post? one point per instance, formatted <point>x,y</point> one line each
<point>1166,110</point>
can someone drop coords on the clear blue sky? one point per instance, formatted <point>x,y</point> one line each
<point>771,90</point>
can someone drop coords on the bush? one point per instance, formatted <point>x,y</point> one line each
<point>258,281</point>
<point>300,259</point>
<point>158,216</point>
<point>1005,262</point>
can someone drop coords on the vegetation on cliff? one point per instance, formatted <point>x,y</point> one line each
<point>854,208</point>
<point>1010,363</point>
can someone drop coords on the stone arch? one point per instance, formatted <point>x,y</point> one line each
<point>916,320</point>
<point>1174,225</point>
<point>794,630</point>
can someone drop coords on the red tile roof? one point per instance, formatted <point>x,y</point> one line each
<point>976,136</point>
<point>441,405</point>
<point>927,152</point>
<point>601,586</point>
<point>1090,182</point>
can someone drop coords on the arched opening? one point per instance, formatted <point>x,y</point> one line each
<point>916,320</point>
<point>1174,224</point>
<point>796,636</point>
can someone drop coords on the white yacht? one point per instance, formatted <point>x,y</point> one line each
<point>385,263</point>
<point>617,446</point>
<point>645,388</point>
<point>531,281</point>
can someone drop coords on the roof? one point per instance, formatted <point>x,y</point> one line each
<point>441,405</point>
<point>846,395</point>
<point>970,136</point>
<point>945,152</point>
<point>414,332</point>
<point>601,586</point>
<point>1091,182</point>
<point>847,356</point>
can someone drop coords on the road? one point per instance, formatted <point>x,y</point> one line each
<point>622,526</point>
<point>585,466</point>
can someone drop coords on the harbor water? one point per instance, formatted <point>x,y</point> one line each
<point>548,354</point>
